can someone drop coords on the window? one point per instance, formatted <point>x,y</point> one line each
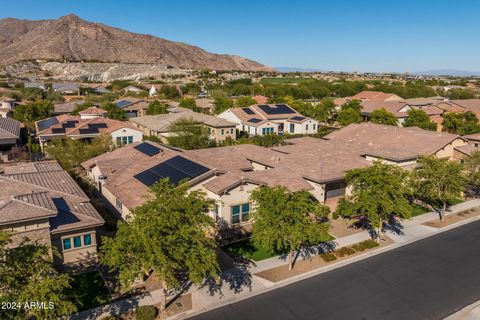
<point>231,131</point>
<point>124,140</point>
<point>306,127</point>
<point>240,213</point>
<point>314,126</point>
<point>223,131</point>
<point>87,240</point>
<point>119,141</point>
<point>292,128</point>
<point>130,139</point>
<point>476,145</point>
<point>267,130</point>
<point>77,242</point>
<point>255,130</point>
<point>118,203</point>
<point>67,244</point>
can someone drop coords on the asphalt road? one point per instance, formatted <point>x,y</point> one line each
<point>428,279</point>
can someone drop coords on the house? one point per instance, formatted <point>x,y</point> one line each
<point>6,106</point>
<point>9,132</point>
<point>423,102</point>
<point>35,85</point>
<point>376,95</point>
<point>260,99</point>
<point>69,88</point>
<point>41,202</point>
<point>158,125</point>
<point>399,109</point>
<point>134,107</point>
<point>87,126</point>
<point>473,145</point>
<point>101,90</point>
<point>133,89</point>
<point>206,105</point>
<point>261,119</point>
<point>93,112</point>
<point>66,107</point>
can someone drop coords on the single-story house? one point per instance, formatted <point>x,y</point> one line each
<point>376,95</point>
<point>7,105</point>
<point>134,107</point>
<point>133,89</point>
<point>9,132</point>
<point>66,107</point>
<point>41,202</point>
<point>35,85</point>
<point>70,88</point>
<point>158,125</point>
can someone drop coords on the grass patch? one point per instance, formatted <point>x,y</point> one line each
<point>345,251</point>
<point>364,245</point>
<point>327,257</point>
<point>88,291</point>
<point>246,248</point>
<point>418,210</point>
<point>455,201</point>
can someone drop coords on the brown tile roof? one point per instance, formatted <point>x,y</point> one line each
<point>260,99</point>
<point>9,128</point>
<point>39,190</point>
<point>391,142</point>
<point>375,95</point>
<point>93,110</point>
<point>467,149</point>
<point>394,107</point>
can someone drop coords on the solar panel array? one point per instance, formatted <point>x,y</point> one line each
<point>123,103</point>
<point>254,120</point>
<point>248,111</point>
<point>297,118</point>
<point>148,149</point>
<point>98,125</point>
<point>58,130</point>
<point>88,130</point>
<point>278,109</point>
<point>175,169</point>
<point>69,124</point>
<point>47,123</point>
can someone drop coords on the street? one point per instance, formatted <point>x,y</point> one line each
<point>428,279</point>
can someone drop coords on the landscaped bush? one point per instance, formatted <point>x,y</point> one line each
<point>145,313</point>
<point>109,318</point>
<point>327,257</point>
<point>364,245</point>
<point>345,251</point>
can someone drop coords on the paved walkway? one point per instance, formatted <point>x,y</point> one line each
<point>240,283</point>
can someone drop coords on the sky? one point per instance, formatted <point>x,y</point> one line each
<point>340,35</point>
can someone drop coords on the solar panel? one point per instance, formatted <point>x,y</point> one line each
<point>88,130</point>
<point>248,111</point>
<point>147,149</point>
<point>69,124</point>
<point>58,130</point>
<point>175,169</point>
<point>47,123</point>
<point>123,103</point>
<point>297,118</point>
<point>191,168</point>
<point>98,125</point>
<point>278,109</point>
<point>254,120</point>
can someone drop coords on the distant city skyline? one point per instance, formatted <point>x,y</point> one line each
<point>348,35</point>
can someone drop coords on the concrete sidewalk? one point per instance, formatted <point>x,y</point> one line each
<point>241,283</point>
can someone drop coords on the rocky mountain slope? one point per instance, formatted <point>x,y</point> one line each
<point>70,38</point>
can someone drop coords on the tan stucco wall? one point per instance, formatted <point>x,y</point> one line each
<point>75,255</point>
<point>447,151</point>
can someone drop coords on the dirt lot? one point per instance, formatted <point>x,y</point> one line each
<point>453,218</point>
<point>302,266</point>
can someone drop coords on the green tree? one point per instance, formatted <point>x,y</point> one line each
<point>156,107</point>
<point>348,116</point>
<point>189,103</point>
<point>34,111</point>
<point>27,274</point>
<point>188,134</point>
<point>419,118</point>
<point>287,222</point>
<point>114,112</point>
<point>462,123</point>
<point>167,234</point>
<point>379,192</point>
<point>455,94</point>
<point>438,181</point>
<point>222,104</point>
<point>82,107</point>
<point>71,153</point>
<point>472,171</point>
<point>382,116</point>
<point>245,101</point>
<point>170,92</point>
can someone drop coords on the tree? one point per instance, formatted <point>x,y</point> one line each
<point>189,103</point>
<point>166,235</point>
<point>455,94</point>
<point>461,123</point>
<point>419,118</point>
<point>82,107</point>
<point>382,116</point>
<point>379,192</point>
<point>27,274</point>
<point>438,181</point>
<point>188,134</point>
<point>71,153</point>
<point>348,116</point>
<point>170,92</point>
<point>34,111</point>
<point>156,107</point>
<point>472,171</point>
<point>114,112</point>
<point>222,104</point>
<point>245,101</point>
<point>287,221</point>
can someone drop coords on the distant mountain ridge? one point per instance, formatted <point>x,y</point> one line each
<point>73,39</point>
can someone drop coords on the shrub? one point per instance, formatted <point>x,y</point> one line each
<point>345,251</point>
<point>145,313</point>
<point>327,257</point>
<point>109,318</point>
<point>367,244</point>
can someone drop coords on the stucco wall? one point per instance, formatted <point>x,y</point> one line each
<point>447,151</point>
<point>125,132</point>
<point>75,255</point>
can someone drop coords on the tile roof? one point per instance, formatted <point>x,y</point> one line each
<point>394,107</point>
<point>39,190</point>
<point>9,128</point>
<point>93,110</point>
<point>467,149</point>
<point>66,107</point>
<point>375,95</point>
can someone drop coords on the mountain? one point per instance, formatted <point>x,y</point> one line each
<point>448,72</point>
<point>73,39</point>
